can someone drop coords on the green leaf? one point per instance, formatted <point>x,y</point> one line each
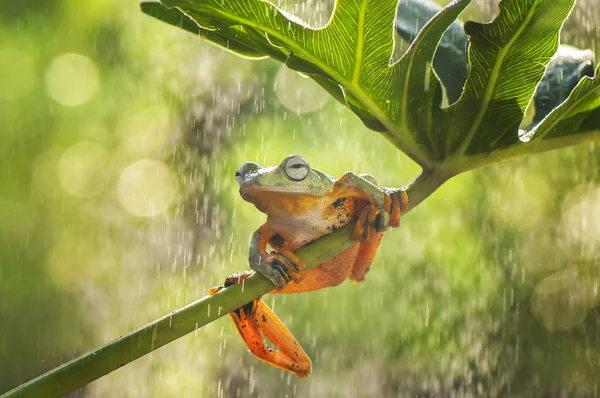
<point>350,58</point>
<point>565,70</point>
<point>574,119</point>
<point>508,58</point>
<point>450,62</point>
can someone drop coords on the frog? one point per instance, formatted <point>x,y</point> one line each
<point>303,204</point>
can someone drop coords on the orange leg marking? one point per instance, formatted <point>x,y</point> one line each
<point>365,257</point>
<point>399,205</point>
<point>361,229</point>
<point>254,322</point>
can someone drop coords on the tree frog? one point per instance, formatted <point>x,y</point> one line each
<point>303,204</point>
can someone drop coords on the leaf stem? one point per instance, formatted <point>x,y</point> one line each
<point>424,185</point>
<point>111,356</point>
<point>521,149</point>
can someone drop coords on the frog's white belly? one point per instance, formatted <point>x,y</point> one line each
<point>305,228</point>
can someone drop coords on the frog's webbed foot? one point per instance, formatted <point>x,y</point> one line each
<point>231,280</point>
<point>384,209</point>
<point>376,219</point>
<point>399,205</point>
<point>280,268</point>
<point>255,321</point>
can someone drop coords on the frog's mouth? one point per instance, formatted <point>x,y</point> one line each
<point>251,191</point>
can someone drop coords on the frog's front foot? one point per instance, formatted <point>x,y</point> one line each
<point>280,268</point>
<point>375,219</point>
<point>399,204</point>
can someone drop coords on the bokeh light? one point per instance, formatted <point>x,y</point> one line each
<point>523,200</point>
<point>298,93</point>
<point>84,169</point>
<point>559,301</point>
<point>581,223</point>
<point>72,79</point>
<point>146,132</point>
<point>147,188</point>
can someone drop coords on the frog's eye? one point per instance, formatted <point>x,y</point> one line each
<point>296,168</point>
<point>245,170</point>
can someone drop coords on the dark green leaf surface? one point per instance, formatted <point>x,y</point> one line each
<point>568,66</point>
<point>578,115</point>
<point>450,62</point>
<point>563,72</point>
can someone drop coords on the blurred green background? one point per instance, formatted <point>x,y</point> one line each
<point>119,139</point>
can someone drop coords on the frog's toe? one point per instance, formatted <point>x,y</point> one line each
<point>399,205</point>
<point>233,279</point>
<point>215,290</point>
<point>361,229</point>
<point>281,268</point>
<point>382,221</point>
<point>273,271</point>
<point>295,265</point>
<point>373,220</point>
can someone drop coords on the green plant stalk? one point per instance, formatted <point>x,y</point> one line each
<point>521,149</point>
<point>111,356</point>
<point>99,362</point>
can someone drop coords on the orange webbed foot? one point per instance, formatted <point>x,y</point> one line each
<point>255,321</point>
<point>233,279</point>
<point>286,263</point>
<point>399,205</point>
<point>374,220</point>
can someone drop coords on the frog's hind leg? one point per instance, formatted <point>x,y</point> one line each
<point>365,257</point>
<point>255,321</point>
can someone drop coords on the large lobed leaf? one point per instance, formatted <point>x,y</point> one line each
<point>350,58</point>
<point>507,61</point>
<point>563,72</point>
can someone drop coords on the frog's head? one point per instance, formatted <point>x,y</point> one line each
<point>293,177</point>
